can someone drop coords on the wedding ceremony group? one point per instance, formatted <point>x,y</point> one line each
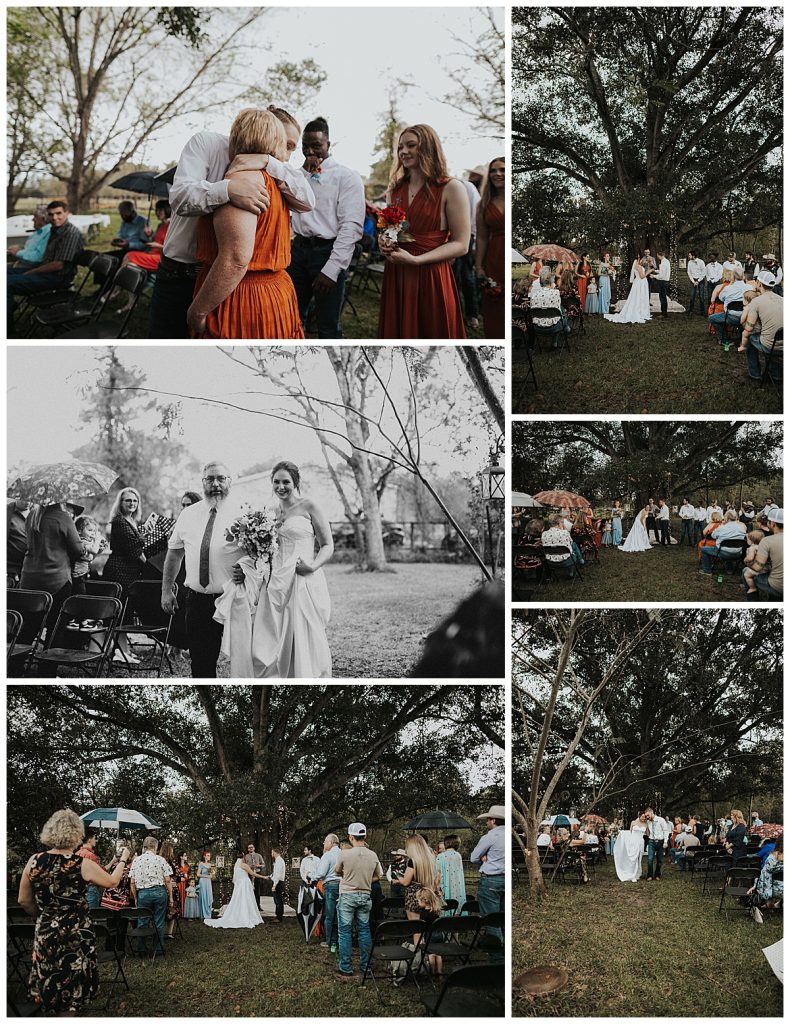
<point>264,512</point>
<point>246,851</point>
<point>647,275</point>
<point>647,753</point>
<point>647,510</point>
<point>250,200</point>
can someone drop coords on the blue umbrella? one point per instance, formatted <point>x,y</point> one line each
<point>118,818</point>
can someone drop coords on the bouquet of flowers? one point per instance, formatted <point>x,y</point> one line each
<point>393,225</point>
<point>492,287</point>
<point>255,533</point>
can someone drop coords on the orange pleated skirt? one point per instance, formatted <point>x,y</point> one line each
<point>262,307</point>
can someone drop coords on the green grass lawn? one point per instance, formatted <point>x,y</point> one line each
<point>666,366</point>
<point>654,949</point>
<point>359,320</point>
<point>662,574</point>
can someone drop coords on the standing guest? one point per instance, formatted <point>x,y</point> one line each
<point>205,873</point>
<point>750,265</point>
<point>762,320</point>
<point>174,906</point>
<point>255,860</point>
<point>419,298</point>
<point>700,519</point>
<point>358,868</point>
<point>150,257</point>
<point>606,274</point>
<point>695,268</point>
<point>31,254</point>
<point>658,833</point>
<point>16,512</point>
<point>712,509</point>
<point>735,836</point>
<point>490,252</point>
<point>199,540</point>
<point>325,237</point>
<point>88,851</point>
<point>490,855</point>
<point>464,268</point>
<point>126,561</point>
<point>395,872</point>
<point>53,545</point>
<point>309,865</point>
<point>583,272</point>
<point>770,264</point>
<point>58,263</point>
<point>420,871</point>
<point>330,879</point>
<point>94,541</point>
<point>189,498</point>
<point>663,276</point>
<point>65,975</point>
<point>617,523</point>
<point>733,263</point>
<point>450,866</point>
<point>152,888</point>
<point>713,275</point>
<point>182,875</point>
<point>686,514</point>
<point>277,878</point>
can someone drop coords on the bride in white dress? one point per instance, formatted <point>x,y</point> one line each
<point>637,306</point>
<point>628,850</point>
<point>242,911</point>
<point>638,538</point>
<point>289,630</point>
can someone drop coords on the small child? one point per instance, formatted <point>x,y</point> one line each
<point>606,528</point>
<point>91,537</point>
<point>191,903</point>
<point>747,298</point>
<point>431,906</point>
<point>754,537</point>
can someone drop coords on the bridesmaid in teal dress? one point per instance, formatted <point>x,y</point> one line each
<point>605,272</point>
<point>205,891</point>
<point>617,524</point>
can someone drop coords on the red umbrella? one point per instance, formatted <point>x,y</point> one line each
<point>559,499</point>
<point>595,819</point>
<point>767,831</point>
<point>552,253</point>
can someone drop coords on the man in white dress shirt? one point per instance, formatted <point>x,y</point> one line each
<point>199,537</point>
<point>732,263</point>
<point>325,238</point>
<point>278,884</point>
<point>658,833</point>
<point>200,186</point>
<point>662,282</point>
<point>700,520</point>
<point>695,268</point>
<point>713,272</point>
<point>686,514</point>
<point>662,521</point>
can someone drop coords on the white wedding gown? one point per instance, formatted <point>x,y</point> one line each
<point>637,307</point>
<point>628,850</point>
<point>242,911</point>
<point>637,539</point>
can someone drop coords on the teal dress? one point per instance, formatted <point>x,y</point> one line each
<point>604,290</point>
<point>205,891</point>
<point>451,871</point>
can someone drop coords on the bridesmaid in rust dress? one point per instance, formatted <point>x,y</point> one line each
<point>419,298</point>
<point>490,253</point>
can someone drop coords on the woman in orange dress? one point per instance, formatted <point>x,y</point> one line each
<point>242,289</point>
<point>707,541</point>
<point>419,298</point>
<point>490,253</point>
<point>716,305</point>
<point>583,272</point>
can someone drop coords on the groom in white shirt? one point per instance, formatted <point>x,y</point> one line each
<point>658,833</point>
<point>662,282</point>
<point>324,239</point>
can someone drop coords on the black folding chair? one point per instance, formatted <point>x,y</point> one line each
<point>470,907</point>
<point>108,951</point>
<point>393,906</point>
<point>445,938</point>
<point>82,648</point>
<point>731,328</point>
<point>138,934</point>
<point>715,871</point>
<point>737,883</point>
<point>103,588</point>
<point>522,339</point>
<point>19,950</point>
<point>730,552</point>
<point>572,572</point>
<point>555,333</point>
<point>144,602</point>
<point>34,607</point>
<point>393,943</point>
<point>489,937</point>
<point>773,355</point>
<point>13,627</point>
<point>477,990</point>
<point>79,310</point>
<point>129,279</point>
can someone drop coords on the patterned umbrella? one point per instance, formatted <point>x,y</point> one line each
<point>767,831</point>
<point>595,819</point>
<point>63,481</point>
<point>558,499</point>
<point>552,253</point>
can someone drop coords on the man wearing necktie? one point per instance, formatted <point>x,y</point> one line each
<point>658,832</point>
<point>199,539</point>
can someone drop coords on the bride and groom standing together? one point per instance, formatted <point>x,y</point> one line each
<point>637,306</point>
<point>651,517</point>
<point>269,629</point>
<point>629,847</point>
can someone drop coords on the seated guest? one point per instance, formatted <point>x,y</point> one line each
<point>763,319</point>
<point>768,890</point>
<point>31,254</point>
<point>545,296</point>
<point>707,540</point>
<point>730,529</point>
<point>134,233</point>
<point>767,847</point>
<point>732,291</point>
<point>544,839</point>
<point>149,257</point>
<point>767,569</point>
<point>57,265</point>
<point>532,531</point>
<point>556,535</point>
<point>687,843</point>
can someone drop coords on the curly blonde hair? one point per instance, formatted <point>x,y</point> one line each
<point>63,831</point>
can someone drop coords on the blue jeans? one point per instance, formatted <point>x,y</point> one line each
<point>490,896</point>
<point>762,584</point>
<point>308,259</point>
<point>20,282</point>
<point>93,896</point>
<point>718,320</point>
<point>331,896</point>
<point>699,529</point>
<point>697,291</point>
<point>753,352</point>
<point>156,899</point>
<point>687,531</point>
<point>354,906</point>
<point>655,857</point>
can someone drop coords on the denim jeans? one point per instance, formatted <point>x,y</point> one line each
<point>490,897</point>
<point>687,531</point>
<point>354,906</point>
<point>718,320</point>
<point>655,857</point>
<point>753,352</point>
<point>93,896</point>
<point>699,529</point>
<point>762,584</point>
<point>155,899</point>
<point>698,292</point>
<point>308,258</point>
<point>331,896</point>
<point>708,554</point>
<point>22,283</point>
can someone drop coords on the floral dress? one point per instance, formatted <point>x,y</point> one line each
<point>64,975</point>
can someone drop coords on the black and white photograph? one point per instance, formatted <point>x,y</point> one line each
<point>256,172</point>
<point>647,209</point>
<point>281,512</point>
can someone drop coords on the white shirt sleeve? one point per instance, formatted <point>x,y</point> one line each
<point>190,194</point>
<point>350,218</point>
<point>294,179</point>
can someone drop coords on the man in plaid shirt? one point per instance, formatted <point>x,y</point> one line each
<point>57,267</point>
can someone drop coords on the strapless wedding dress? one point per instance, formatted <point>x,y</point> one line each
<point>637,306</point>
<point>242,911</point>
<point>637,539</point>
<point>628,850</point>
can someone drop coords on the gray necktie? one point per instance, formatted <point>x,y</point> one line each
<point>205,544</point>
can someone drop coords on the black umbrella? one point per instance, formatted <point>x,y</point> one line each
<point>167,176</point>
<point>308,909</point>
<point>437,820</point>
<point>147,183</point>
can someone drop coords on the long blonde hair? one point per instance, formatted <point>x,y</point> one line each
<point>737,817</point>
<point>423,860</point>
<point>430,157</point>
<point>137,515</point>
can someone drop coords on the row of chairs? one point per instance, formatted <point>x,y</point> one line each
<point>732,331</point>
<point>86,630</point>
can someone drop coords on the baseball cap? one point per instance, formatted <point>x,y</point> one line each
<point>776,515</point>
<point>767,278</point>
<point>357,829</point>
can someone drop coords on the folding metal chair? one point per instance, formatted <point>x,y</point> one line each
<point>34,607</point>
<point>393,943</point>
<point>82,648</point>
<point>476,990</point>
<point>144,601</point>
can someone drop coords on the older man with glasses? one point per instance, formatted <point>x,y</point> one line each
<point>199,539</point>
